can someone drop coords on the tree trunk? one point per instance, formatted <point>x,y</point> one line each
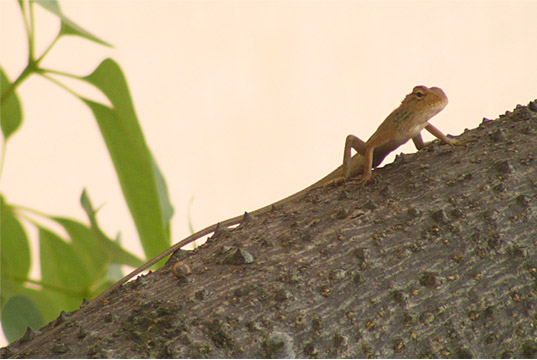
<point>436,258</point>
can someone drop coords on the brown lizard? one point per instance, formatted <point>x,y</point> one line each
<point>403,124</point>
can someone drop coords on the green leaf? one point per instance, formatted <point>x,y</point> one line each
<point>131,156</point>
<point>15,250</point>
<point>114,271</point>
<point>95,249</point>
<point>85,202</point>
<point>163,195</point>
<point>133,167</point>
<point>18,314</point>
<point>117,254</point>
<point>113,247</point>
<point>10,108</point>
<point>45,301</point>
<point>121,256</point>
<point>48,303</point>
<point>61,267</point>
<point>68,26</point>
<point>87,247</point>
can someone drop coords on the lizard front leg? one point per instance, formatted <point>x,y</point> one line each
<point>368,164</point>
<point>433,130</point>
<point>418,142</point>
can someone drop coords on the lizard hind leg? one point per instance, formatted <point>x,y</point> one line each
<point>351,142</point>
<point>368,164</point>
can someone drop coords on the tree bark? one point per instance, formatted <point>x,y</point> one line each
<point>436,258</point>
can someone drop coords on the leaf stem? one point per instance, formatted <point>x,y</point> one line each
<point>26,25</point>
<point>61,73</point>
<point>31,37</point>
<point>11,88</point>
<point>50,78</point>
<point>189,217</point>
<point>48,49</point>
<point>19,208</point>
<point>33,64</point>
<point>45,285</point>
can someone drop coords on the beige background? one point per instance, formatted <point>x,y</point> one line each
<point>246,102</point>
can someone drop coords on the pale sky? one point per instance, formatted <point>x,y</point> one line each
<point>246,102</point>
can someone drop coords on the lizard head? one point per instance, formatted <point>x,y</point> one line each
<point>425,101</point>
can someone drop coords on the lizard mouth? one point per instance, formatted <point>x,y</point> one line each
<point>442,99</point>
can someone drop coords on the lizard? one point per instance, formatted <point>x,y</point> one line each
<point>403,123</point>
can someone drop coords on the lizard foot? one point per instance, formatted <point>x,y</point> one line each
<point>455,142</point>
<point>335,182</point>
<point>366,179</point>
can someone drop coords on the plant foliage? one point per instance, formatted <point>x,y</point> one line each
<point>85,262</point>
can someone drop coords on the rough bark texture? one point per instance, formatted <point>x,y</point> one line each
<point>436,258</point>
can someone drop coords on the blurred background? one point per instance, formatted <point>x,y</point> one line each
<point>246,102</point>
